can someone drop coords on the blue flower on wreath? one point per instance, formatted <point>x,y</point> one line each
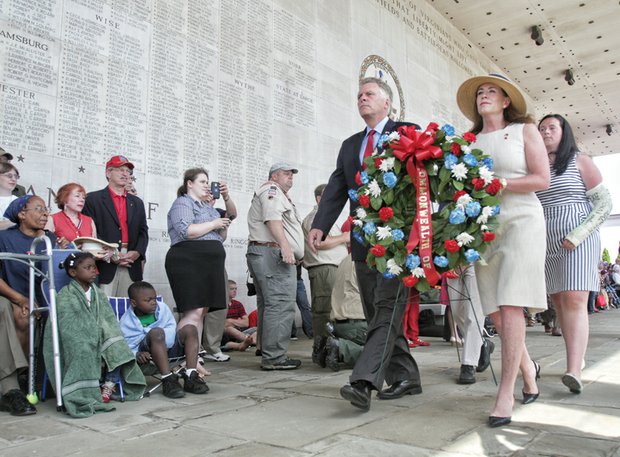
<point>382,140</point>
<point>450,161</point>
<point>412,261</point>
<point>389,179</point>
<point>364,177</point>
<point>472,209</point>
<point>388,275</point>
<point>397,234</point>
<point>488,162</point>
<point>471,255</point>
<point>495,210</point>
<point>358,237</point>
<point>370,228</point>
<point>441,261</point>
<point>470,160</point>
<point>448,129</point>
<point>457,216</point>
<point>353,195</point>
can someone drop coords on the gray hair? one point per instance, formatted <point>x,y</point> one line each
<point>383,86</point>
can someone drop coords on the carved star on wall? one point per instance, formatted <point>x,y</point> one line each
<point>20,158</point>
<point>81,169</point>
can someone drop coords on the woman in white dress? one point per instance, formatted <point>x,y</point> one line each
<point>513,277</point>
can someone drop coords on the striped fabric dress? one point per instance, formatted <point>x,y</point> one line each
<point>565,206</point>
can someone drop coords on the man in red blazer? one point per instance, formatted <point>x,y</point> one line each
<point>120,218</point>
<point>386,354</point>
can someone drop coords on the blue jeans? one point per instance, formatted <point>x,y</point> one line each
<point>304,308</point>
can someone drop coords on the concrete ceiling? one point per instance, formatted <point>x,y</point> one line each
<point>579,35</point>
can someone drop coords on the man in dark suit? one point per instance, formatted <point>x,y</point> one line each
<point>386,354</point>
<point>119,218</point>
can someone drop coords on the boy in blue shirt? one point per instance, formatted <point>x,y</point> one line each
<point>150,330</point>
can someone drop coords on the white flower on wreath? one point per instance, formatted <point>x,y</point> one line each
<point>418,272</point>
<point>383,233</point>
<point>387,164</point>
<point>486,174</point>
<point>374,189</point>
<point>464,239</point>
<point>375,152</point>
<point>487,211</point>
<point>484,228</point>
<point>394,136</point>
<point>393,267</point>
<point>360,213</point>
<point>463,200</point>
<point>466,149</point>
<point>459,171</point>
<point>358,222</point>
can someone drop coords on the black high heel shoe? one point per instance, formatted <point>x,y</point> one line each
<point>531,398</point>
<point>497,421</point>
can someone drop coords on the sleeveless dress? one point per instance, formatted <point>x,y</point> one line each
<point>566,205</point>
<point>63,226</point>
<point>514,274</point>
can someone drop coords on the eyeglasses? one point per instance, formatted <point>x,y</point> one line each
<point>38,209</point>
<point>11,175</point>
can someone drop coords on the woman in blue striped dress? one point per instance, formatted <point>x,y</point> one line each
<point>575,205</point>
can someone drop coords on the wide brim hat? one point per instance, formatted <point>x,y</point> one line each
<point>466,95</point>
<point>89,244</point>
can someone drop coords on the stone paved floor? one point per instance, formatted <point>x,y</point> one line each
<point>299,413</point>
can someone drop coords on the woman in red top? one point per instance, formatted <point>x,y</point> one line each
<point>69,223</point>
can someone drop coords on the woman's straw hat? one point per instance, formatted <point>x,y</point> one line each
<point>466,95</point>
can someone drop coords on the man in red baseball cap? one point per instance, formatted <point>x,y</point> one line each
<point>119,218</point>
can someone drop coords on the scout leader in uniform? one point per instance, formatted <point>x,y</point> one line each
<point>275,246</point>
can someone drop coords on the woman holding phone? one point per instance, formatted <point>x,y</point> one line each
<point>195,261</point>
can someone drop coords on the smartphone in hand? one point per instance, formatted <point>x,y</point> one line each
<point>215,189</point>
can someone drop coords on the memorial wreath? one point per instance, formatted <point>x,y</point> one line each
<point>408,171</point>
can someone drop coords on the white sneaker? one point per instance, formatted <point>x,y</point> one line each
<point>218,357</point>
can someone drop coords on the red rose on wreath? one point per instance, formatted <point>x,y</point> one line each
<point>386,213</point>
<point>487,237</point>
<point>410,281</point>
<point>451,246</point>
<point>433,126</point>
<point>456,149</point>
<point>358,179</point>
<point>378,161</point>
<point>494,187</point>
<point>478,183</point>
<point>451,274</point>
<point>469,137</point>
<point>377,250</point>
<point>364,200</point>
<point>458,194</point>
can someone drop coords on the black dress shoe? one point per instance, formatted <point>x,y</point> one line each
<point>485,355</point>
<point>467,375</point>
<point>358,393</point>
<point>400,389</point>
<point>15,402</point>
<point>527,397</point>
<point>496,421</point>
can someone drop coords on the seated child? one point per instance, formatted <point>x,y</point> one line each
<point>90,338</point>
<point>150,330</point>
<point>237,337</point>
